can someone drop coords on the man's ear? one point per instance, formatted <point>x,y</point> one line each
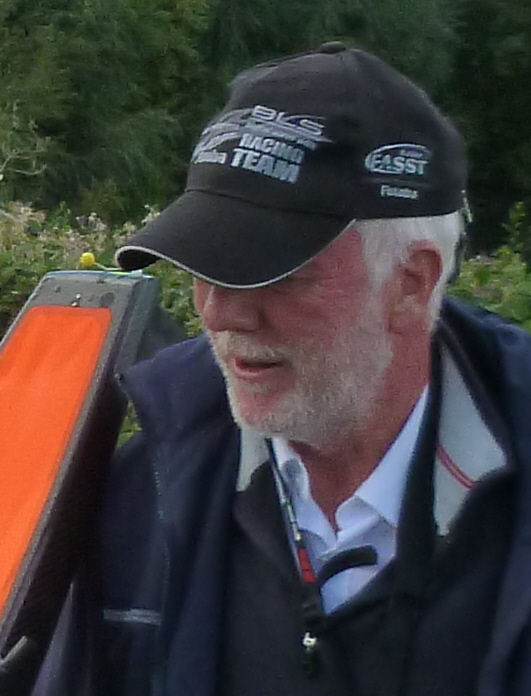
<point>410,288</point>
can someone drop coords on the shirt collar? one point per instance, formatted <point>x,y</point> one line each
<point>383,490</point>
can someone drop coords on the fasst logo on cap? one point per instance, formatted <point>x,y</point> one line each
<point>402,158</point>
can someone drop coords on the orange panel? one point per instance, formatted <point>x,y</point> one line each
<point>46,368</point>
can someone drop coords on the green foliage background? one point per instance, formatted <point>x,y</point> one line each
<point>33,243</point>
<point>501,281</point>
<point>101,100</point>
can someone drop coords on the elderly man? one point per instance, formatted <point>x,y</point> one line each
<point>324,499</point>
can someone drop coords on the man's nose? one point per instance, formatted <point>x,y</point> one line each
<point>225,309</point>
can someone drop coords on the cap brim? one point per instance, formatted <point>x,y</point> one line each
<point>228,241</point>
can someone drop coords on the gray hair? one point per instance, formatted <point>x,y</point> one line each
<point>386,244</point>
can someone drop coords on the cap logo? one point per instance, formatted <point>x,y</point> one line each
<point>261,139</point>
<point>398,192</point>
<point>401,159</point>
<point>298,126</point>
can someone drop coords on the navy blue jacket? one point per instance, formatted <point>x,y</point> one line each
<point>145,616</point>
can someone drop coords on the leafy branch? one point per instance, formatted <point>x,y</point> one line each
<point>22,149</point>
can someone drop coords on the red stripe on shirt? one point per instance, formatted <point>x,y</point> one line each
<point>453,469</point>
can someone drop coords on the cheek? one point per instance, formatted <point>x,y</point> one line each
<point>315,323</point>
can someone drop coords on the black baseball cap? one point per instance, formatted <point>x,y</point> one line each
<point>304,146</point>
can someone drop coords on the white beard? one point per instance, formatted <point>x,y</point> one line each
<point>335,388</point>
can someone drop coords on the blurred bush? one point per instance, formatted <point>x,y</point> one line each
<point>33,242</point>
<point>501,281</point>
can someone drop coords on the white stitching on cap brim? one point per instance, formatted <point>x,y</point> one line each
<point>214,281</point>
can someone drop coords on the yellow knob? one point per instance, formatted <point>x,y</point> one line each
<point>87,259</point>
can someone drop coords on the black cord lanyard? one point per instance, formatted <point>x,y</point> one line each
<point>312,609</point>
<point>313,614</point>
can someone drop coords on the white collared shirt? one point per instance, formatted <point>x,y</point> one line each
<point>368,517</point>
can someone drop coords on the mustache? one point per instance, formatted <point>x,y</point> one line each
<point>246,348</point>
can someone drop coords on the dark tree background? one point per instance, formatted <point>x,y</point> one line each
<point>100,100</point>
